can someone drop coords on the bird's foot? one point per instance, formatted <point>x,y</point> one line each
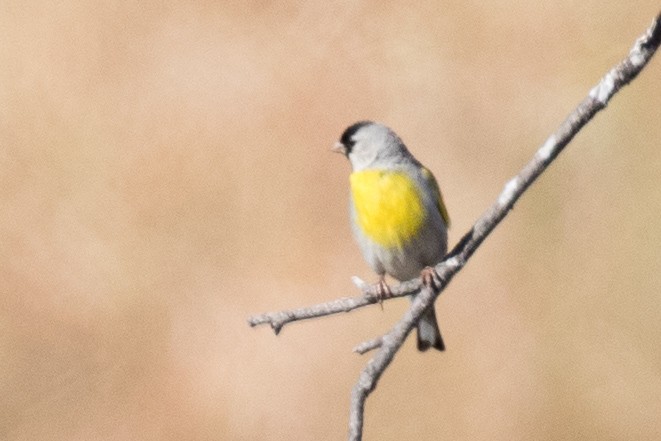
<point>382,290</point>
<point>430,278</point>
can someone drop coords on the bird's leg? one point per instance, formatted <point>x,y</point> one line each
<point>382,289</point>
<point>430,278</point>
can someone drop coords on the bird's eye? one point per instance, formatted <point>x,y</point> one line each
<point>349,145</point>
<point>347,138</point>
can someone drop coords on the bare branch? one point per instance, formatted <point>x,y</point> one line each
<point>369,345</point>
<point>370,296</point>
<point>389,344</point>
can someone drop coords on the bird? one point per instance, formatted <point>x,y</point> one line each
<point>397,213</point>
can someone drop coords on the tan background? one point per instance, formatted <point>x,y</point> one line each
<point>164,173</point>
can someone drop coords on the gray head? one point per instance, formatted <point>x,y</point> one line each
<point>368,144</point>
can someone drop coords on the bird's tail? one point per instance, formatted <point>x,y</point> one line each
<point>429,336</point>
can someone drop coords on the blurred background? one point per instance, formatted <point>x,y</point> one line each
<point>165,173</point>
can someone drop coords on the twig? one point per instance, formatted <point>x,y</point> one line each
<point>368,345</point>
<point>389,344</point>
<point>370,296</point>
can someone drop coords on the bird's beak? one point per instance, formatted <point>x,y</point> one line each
<point>339,148</point>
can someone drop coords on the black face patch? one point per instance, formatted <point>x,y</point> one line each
<point>349,132</point>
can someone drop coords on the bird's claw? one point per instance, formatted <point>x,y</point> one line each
<point>430,278</point>
<point>382,290</point>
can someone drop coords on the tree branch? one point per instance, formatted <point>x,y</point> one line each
<point>370,296</point>
<point>388,345</point>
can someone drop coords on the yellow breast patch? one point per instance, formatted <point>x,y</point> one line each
<point>388,206</point>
